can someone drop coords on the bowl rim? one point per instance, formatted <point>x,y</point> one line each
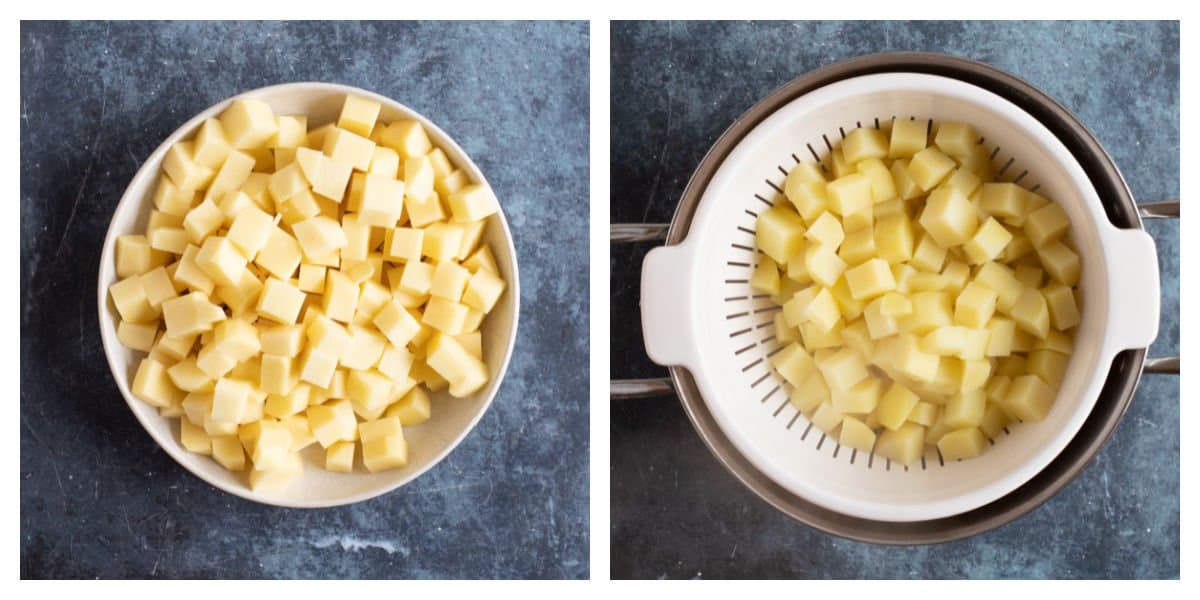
<point>149,168</point>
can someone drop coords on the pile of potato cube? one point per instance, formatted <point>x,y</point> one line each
<point>923,302</point>
<point>300,285</point>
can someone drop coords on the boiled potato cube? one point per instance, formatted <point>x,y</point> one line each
<point>963,180</point>
<point>849,194</point>
<point>864,143</point>
<point>906,188</point>
<point>902,445</point>
<point>780,233</point>
<point>275,480</point>
<point>793,363</point>
<point>975,305</point>
<point>856,435</point>
<point>929,167</point>
<point>962,443</point>
<point>823,265</point>
<point>1030,313</point>
<point>333,422</point>
<point>822,311</point>
<point>925,414</point>
<point>949,217</point>
<point>930,310</point>
<point>870,279</point>
<point>956,139</point>
<point>858,246</point>
<point>1060,301</point>
<point>383,444</point>
<point>896,405</point>
<point>1060,262</point>
<point>843,369</point>
<point>894,237</point>
<point>965,410</point>
<point>826,418</point>
<point>861,398</point>
<point>988,243</point>
<point>928,255</point>
<point>1046,224</point>
<point>1000,279</point>
<point>1006,200</point>
<point>1028,398</point>
<point>948,340</point>
<point>1049,365</point>
<point>908,137</point>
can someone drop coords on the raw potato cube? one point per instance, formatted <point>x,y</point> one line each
<point>227,451</point>
<point>827,418</point>
<point>1060,262</point>
<point>195,439</point>
<point>906,188</point>
<point>382,201</point>
<point>822,265</point>
<point>221,261</point>
<point>358,115</point>
<point>135,256</point>
<point>190,314</point>
<point>975,305</point>
<point>949,217</point>
<point>864,143</point>
<point>348,148</point>
<point>928,255</point>
<point>856,435</point>
<point>210,146</point>
<point>912,362</point>
<point>902,445</point>
<point>339,457</point>
<point>895,406</point>
<point>964,181</point>
<point>291,131</point>
<point>849,194</point>
<point>369,391</point>
<point>396,323</point>
<point>129,296</point>
<point>1049,365</point>
<point>383,444</point>
<point>962,443</point>
<point>821,311</point>
<point>956,139</point>
<point>248,123</point>
<point>280,301</point>
<point>826,231</point>
<point>908,138</point>
<point>930,310</point>
<point>445,315</point>
<point>1060,301</point>
<point>949,340</point>
<point>765,277</point>
<point>231,176</point>
<point>466,373</point>
<point>341,296</point>
<point>989,242</point>
<point>406,137</point>
<point>1046,224</point>
<point>1000,279</point>
<point>280,256</point>
<point>328,177</point>
<point>185,173</point>
<point>925,414</point>
<point>929,167</point>
<point>858,247</point>
<point>404,243</point>
<point>277,479</point>
<point>843,369</point>
<point>319,236</point>
<point>473,202</point>
<point>333,422</point>
<point>870,279</point>
<point>418,177</point>
<point>386,162</point>
<point>152,384</point>
<point>793,363</point>
<point>1028,398</point>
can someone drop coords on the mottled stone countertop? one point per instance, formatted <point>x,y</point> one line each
<point>675,511</point>
<point>99,499</point>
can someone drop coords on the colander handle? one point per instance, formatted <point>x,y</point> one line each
<point>624,233</point>
<point>1165,209</point>
<point>629,389</point>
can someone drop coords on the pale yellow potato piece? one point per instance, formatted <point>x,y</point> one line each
<point>1060,262</point>
<point>855,249</point>
<point>826,418</point>
<point>1046,224</point>
<point>849,194</point>
<point>843,369</point>
<point>1005,200</point>
<point>975,305</point>
<point>962,443</point>
<point>883,187</point>
<point>955,138</point>
<point>929,167</point>
<point>826,231</point>
<point>823,265</point>
<point>894,237</point>
<point>988,243</point>
<point>863,143</point>
<point>903,445</point>
<point>794,363</point>
<point>949,217</point>
<point>870,279</point>
<point>855,434</point>
<point>895,406</point>
<point>861,398</point>
<point>908,137</point>
<point>1028,398</point>
<point>1031,313</point>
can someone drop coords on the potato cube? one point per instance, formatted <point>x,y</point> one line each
<point>280,301</point>
<point>227,451</point>
<point>843,369</point>
<point>181,167</point>
<point>152,384</point>
<point>383,444</point>
<point>794,363</point>
<point>412,409</point>
<point>1060,301</point>
<point>278,375</point>
<point>135,256</point>
<point>864,143</point>
<point>248,123</point>
<point>326,176</point>
<point>333,422</point>
<point>369,392</point>
<point>444,315</point>
<point>894,237</point>
<point>879,323</point>
<point>862,219</point>
<point>129,296</point>
<point>473,202</point>
<point>906,188</point>
<point>962,443</point>
<point>850,307</point>
<point>282,340</point>
<point>975,306</point>
<point>230,176</point>
<point>396,323</point>
<point>1049,365</point>
<point>1006,200</point>
<point>827,418</point>
<point>1030,313</point>
<point>251,231</point>
<point>277,479</point>
<point>449,359</point>
<point>822,265</point>
<point>404,244</point>
<point>870,279</point>
<point>826,231</point>
<point>358,115</point>
<point>988,242</point>
<point>965,410</point>
<point>1002,280</point>
<point>341,296</point>
<point>908,137</point>
<point>949,217</point>
<point>963,180</point>
<point>287,183</point>
<point>861,398</point>
<point>858,246</point>
<point>895,406</point>
<point>339,457</point>
<point>1060,262</point>
<point>230,400</point>
<point>386,162</point>
<point>221,261</point>
<point>902,445</point>
<point>956,139</point>
<point>849,194</point>
<point>189,314</point>
<point>1046,224</point>
<point>930,310</point>
<point>210,145</point>
<point>348,148</point>
<point>883,186</point>
<point>382,201</point>
<point>822,310</point>
<point>364,349</point>
<point>406,137</point>
<point>929,167</point>
<point>172,200</point>
<point>1028,398</point>
<point>194,439</point>
<point>780,233</point>
<point>280,256</point>
<point>856,435</point>
<point>911,361</point>
<point>418,177</point>
<point>947,340</point>
<point>319,236</point>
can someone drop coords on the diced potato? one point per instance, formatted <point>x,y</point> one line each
<point>1031,313</point>
<point>794,363</point>
<point>962,443</point>
<point>903,445</point>
<point>823,265</point>
<point>963,180</point>
<point>861,398</point>
<point>895,406</point>
<point>883,187</point>
<point>870,279</point>
<point>949,217</point>
<point>843,369</point>
<point>855,434</point>
<point>895,238</point>
<point>864,143</point>
<point>965,409</point>
<point>849,194</point>
<point>975,305</point>
<point>1046,224</point>
<point>277,479</point>
<point>1028,398</point>
<point>929,167</point>
<point>1049,365</point>
<point>858,246</point>
<point>908,137</point>
<point>1060,262</point>
<point>1005,200</point>
<point>906,188</point>
<point>827,418</point>
<point>956,139</point>
<point>988,242</point>
<point>925,414</point>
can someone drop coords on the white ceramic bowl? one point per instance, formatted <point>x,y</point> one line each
<point>429,442</point>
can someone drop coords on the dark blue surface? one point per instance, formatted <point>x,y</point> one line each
<point>675,511</point>
<point>99,499</point>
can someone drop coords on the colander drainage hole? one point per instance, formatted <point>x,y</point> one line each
<point>815,157</point>
<point>781,405</point>
<point>752,213</point>
<point>804,435</point>
<point>735,298</point>
<point>737,281</point>
<point>793,421</point>
<point>737,264</point>
<point>764,200</point>
<point>741,331</point>
<point>743,349</point>
<point>773,186</point>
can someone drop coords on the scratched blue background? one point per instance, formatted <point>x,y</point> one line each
<point>675,511</point>
<point>99,499</point>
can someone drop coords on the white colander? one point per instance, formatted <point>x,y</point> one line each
<point>699,312</point>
